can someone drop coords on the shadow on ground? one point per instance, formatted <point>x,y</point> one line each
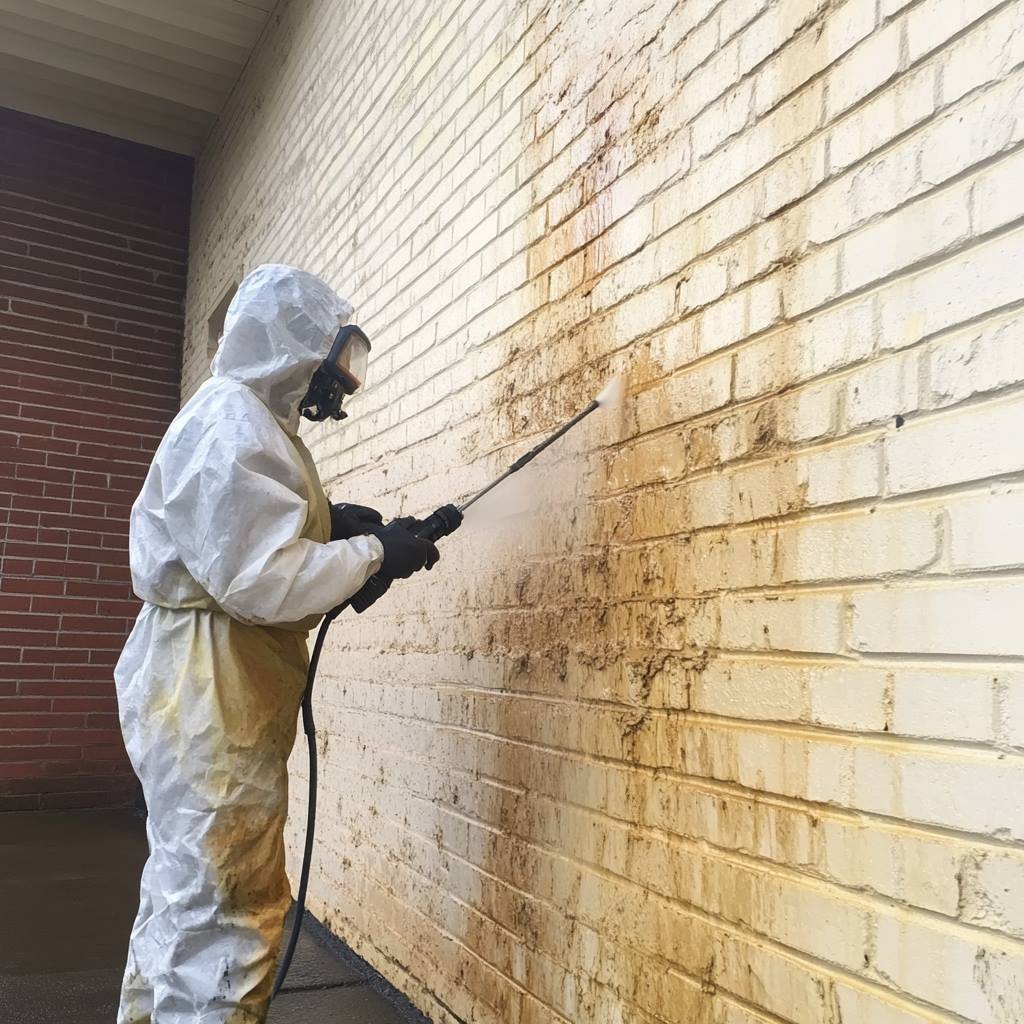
<point>68,892</point>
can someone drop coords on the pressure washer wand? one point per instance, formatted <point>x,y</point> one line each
<point>524,460</point>
<point>448,518</point>
<point>444,521</point>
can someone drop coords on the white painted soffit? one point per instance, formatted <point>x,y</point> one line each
<point>154,71</point>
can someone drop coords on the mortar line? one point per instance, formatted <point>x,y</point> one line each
<point>789,729</point>
<point>933,501</point>
<point>765,867</point>
<point>905,499</point>
<point>683,778</point>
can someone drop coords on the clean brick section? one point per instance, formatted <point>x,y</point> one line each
<point>93,243</point>
<point>734,732</point>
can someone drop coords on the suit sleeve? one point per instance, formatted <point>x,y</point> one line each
<point>234,508</point>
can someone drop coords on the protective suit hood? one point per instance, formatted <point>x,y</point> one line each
<point>278,329</point>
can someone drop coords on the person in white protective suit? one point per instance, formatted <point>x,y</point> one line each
<point>237,554</point>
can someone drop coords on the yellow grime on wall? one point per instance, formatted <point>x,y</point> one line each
<point>717,715</point>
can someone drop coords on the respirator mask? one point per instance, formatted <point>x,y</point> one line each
<point>341,373</point>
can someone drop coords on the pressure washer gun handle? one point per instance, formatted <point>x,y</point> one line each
<point>444,521</point>
<point>372,591</point>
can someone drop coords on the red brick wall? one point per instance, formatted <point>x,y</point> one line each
<point>93,245</point>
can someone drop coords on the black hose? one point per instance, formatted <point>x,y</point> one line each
<point>437,525</point>
<point>309,728</point>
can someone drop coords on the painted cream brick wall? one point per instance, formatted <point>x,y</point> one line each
<point>731,728</point>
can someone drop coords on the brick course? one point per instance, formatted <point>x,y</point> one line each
<point>93,242</point>
<point>730,729</point>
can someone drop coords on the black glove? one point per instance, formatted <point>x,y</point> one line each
<point>404,552</point>
<point>353,521</point>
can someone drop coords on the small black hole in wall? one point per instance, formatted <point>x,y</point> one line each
<point>899,421</point>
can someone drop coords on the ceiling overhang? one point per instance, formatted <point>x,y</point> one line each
<point>152,71</point>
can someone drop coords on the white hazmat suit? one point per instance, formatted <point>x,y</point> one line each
<point>230,551</point>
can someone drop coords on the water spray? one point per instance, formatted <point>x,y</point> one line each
<point>610,392</point>
<point>444,521</point>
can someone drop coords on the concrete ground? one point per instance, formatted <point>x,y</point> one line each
<point>69,891</point>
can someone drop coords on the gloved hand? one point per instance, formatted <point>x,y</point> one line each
<point>404,552</point>
<point>353,521</point>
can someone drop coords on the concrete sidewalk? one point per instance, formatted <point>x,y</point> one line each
<point>69,890</point>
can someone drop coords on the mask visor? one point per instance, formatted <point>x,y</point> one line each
<point>349,357</point>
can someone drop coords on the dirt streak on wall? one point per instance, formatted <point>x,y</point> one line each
<point>727,724</point>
